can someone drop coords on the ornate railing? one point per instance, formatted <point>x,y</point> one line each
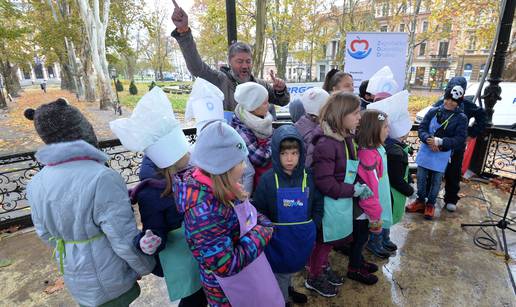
<point>501,155</point>
<point>16,170</point>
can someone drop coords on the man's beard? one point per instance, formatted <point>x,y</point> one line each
<point>240,80</point>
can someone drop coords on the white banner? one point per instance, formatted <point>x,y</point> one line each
<point>368,52</point>
<point>296,89</point>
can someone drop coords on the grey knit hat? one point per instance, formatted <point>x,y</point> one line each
<point>218,148</point>
<point>59,121</point>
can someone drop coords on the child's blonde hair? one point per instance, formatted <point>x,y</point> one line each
<point>224,190</point>
<point>170,172</point>
<point>338,106</point>
<point>369,131</point>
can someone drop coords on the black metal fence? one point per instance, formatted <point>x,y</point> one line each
<point>17,170</point>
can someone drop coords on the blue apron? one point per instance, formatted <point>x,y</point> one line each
<point>384,191</point>
<point>294,232</point>
<point>180,269</point>
<point>337,220</point>
<point>434,160</point>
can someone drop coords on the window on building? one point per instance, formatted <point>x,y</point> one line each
<point>447,27</point>
<point>443,49</point>
<point>322,72</point>
<point>472,43</point>
<point>333,49</point>
<point>402,27</point>
<point>422,49</point>
<point>50,72</point>
<point>385,9</point>
<point>425,27</point>
<point>383,29</point>
<point>26,73</point>
<point>468,69</point>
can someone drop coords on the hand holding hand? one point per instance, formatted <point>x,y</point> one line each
<point>150,242</point>
<point>179,18</point>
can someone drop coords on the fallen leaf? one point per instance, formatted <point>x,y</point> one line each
<point>5,262</point>
<point>58,285</point>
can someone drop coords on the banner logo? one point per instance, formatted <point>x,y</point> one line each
<point>359,48</point>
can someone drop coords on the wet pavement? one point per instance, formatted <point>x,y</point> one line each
<point>437,264</point>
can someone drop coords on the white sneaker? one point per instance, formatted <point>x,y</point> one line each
<point>451,207</point>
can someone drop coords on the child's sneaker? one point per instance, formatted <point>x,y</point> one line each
<point>429,212</point>
<point>369,266</point>
<point>321,285</point>
<point>415,206</point>
<point>363,276</point>
<point>332,277</point>
<point>451,207</point>
<point>297,297</point>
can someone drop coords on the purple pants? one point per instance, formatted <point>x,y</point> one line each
<point>318,260</point>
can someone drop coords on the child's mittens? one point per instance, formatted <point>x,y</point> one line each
<point>375,227</point>
<point>150,242</point>
<point>362,191</point>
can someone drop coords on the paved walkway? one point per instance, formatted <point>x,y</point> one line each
<point>437,265</point>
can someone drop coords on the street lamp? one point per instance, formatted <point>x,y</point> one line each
<point>117,107</point>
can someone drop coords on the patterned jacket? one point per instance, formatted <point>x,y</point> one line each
<point>260,152</point>
<point>213,234</point>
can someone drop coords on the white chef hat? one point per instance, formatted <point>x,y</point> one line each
<point>154,129</point>
<point>204,104</point>
<point>382,83</point>
<point>396,107</point>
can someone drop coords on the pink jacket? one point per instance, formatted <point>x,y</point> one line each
<point>370,170</point>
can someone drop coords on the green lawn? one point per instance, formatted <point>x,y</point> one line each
<point>178,101</point>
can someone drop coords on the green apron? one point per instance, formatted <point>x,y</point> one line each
<point>384,192</point>
<point>398,199</point>
<point>337,220</point>
<point>180,268</point>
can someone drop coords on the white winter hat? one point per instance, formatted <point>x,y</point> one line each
<point>396,107</point>
<point>154,129</point>
<point>204,104</point>
<point>250,95</point>
<point>314,99</point>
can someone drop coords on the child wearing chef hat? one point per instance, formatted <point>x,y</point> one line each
<point>205,105</point>
<point>153,129</point>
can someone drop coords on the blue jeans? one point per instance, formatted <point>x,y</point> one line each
<point>428,177</point>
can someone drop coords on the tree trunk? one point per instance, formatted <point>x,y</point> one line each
<point>70,70</point>
<point>3,102</point>
<point>408,69</point>
<point>261,21</point>
<point>96,34</point>
<point>87,73</point>
<point>11,82</point>
<point>131,67</point>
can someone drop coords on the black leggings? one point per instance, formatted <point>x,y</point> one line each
<point>198,299</point>
<point>360,236</point>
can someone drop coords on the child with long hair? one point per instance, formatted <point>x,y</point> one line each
<point>373,171</point>
<point>223,230</point>
<point>166,157</point>
<point>334,165</point>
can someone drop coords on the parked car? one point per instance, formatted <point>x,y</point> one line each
<point>504,110</point>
